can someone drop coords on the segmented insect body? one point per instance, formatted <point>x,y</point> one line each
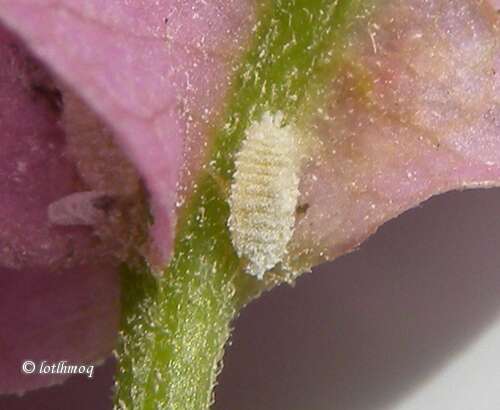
<point>264,193</point>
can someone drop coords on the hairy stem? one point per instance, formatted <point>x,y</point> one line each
<point>174,328</point>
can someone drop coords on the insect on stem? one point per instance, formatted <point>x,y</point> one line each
<point>264,193</point>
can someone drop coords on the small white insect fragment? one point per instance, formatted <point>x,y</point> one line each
<point>264,193</point>
<point>80,208</point>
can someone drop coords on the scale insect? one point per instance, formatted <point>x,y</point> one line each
<point>264,193</point>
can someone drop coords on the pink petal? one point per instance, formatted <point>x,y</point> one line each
<point>70,315</point>
<point>413,112</point>
<point>159,88</point>
<point>146,67</point>
<point>55,304</point>
<point>495,3</point>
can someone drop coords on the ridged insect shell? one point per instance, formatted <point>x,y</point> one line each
<point>264,193</point>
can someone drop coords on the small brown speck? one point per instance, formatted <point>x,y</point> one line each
<point>301,209</point>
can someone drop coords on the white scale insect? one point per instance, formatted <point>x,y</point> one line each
<point>264,193</point>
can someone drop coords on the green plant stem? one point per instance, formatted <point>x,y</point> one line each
<point>174,328</point>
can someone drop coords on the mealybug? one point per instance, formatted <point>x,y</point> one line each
<point>264,193</point>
